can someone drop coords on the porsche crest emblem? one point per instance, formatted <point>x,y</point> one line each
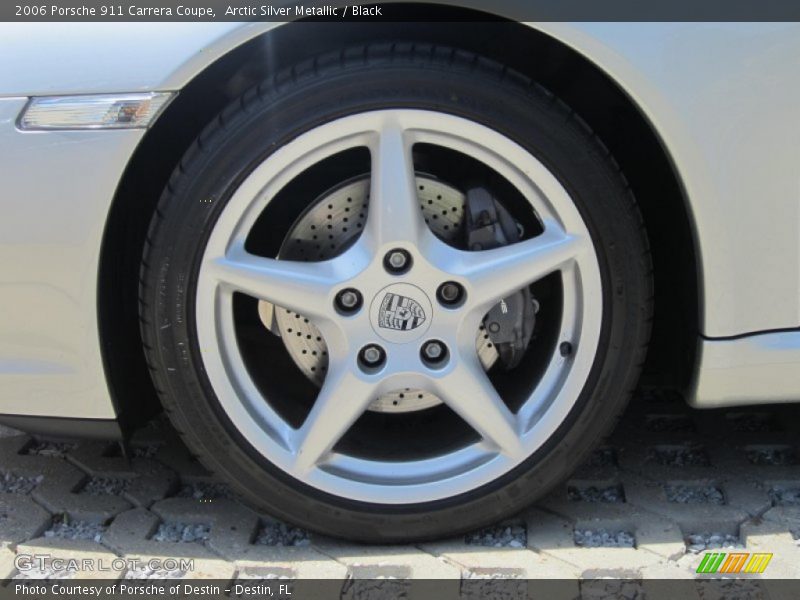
<point>400,313</point>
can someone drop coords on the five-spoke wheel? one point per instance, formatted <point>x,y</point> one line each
<point>404,313</point>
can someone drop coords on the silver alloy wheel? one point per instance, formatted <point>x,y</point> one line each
<point>394,221</point>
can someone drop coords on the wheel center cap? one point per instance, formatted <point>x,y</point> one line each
<point>401,313</point>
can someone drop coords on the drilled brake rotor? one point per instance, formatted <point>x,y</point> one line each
<point>323,231</point>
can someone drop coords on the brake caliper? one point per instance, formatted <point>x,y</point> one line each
<point>510,322</point>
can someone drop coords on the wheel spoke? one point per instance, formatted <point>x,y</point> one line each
<point>394,214</point>
<point>342,399</point>
<point>496,273</point>
<point>303,287</point>
<point>468,391</point>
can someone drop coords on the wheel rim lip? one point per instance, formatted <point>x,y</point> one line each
<point>416,481</point>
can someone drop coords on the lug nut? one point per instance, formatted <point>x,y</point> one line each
<point>397,261</point>
<point>434,352</point>
<point>372,355</point>
<point>450,293</point>
<point>349,300</point>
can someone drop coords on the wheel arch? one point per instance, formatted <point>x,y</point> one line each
<point>594,95</point>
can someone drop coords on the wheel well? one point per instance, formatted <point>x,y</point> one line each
<point>578,82</point>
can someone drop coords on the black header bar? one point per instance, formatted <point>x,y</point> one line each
<point>110,11</point>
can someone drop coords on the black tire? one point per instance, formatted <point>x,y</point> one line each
<point>366,78</point>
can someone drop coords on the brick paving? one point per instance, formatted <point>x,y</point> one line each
<point>668,484</point>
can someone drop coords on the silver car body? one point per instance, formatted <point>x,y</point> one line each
<point>724,99</point>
